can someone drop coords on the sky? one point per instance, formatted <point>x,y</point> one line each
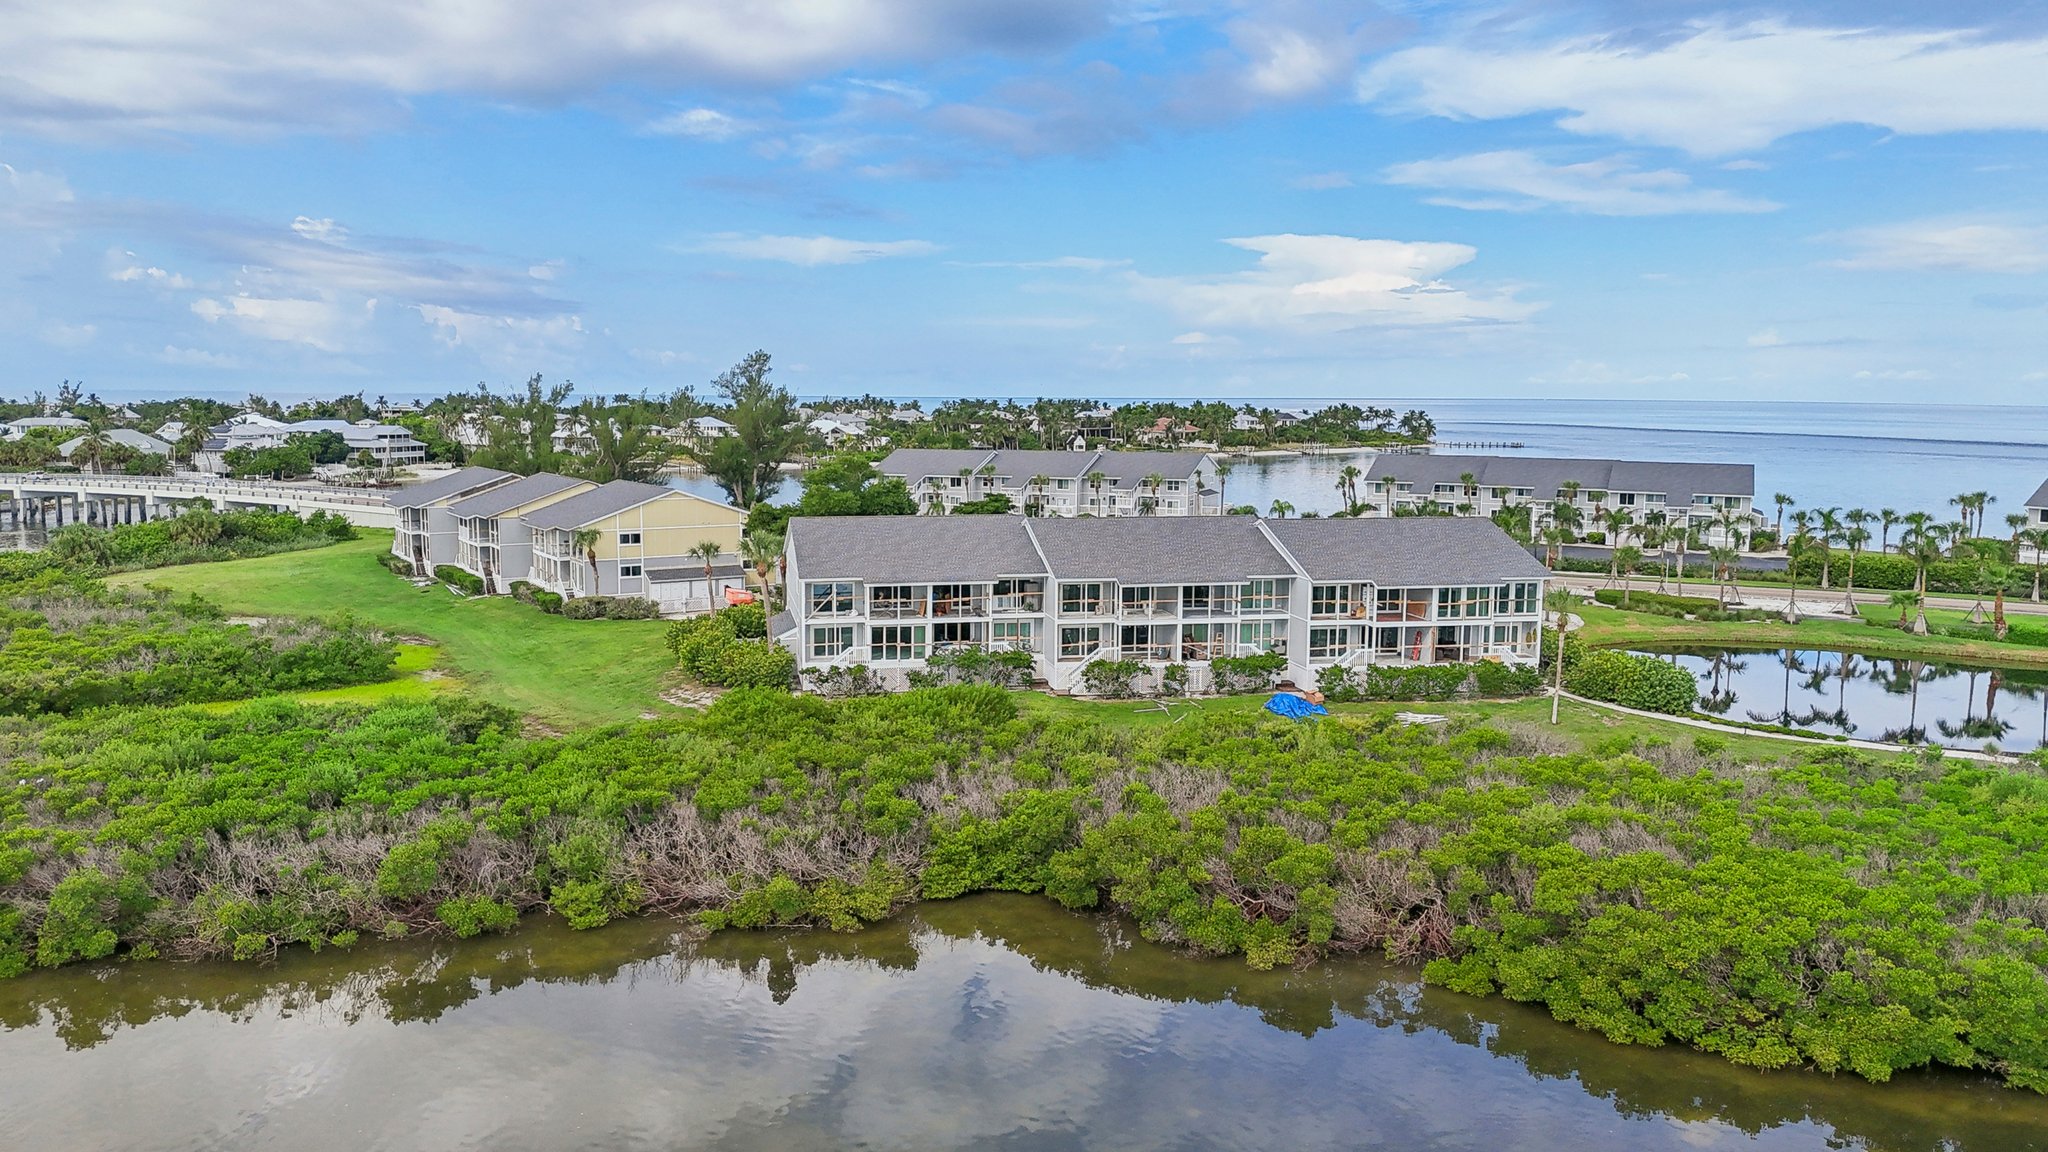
<point>1826,201</point>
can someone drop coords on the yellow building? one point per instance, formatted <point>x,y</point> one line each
<point>636,540</point>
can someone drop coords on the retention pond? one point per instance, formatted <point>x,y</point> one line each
<point>1873,698</point>
<point>996,1022</point>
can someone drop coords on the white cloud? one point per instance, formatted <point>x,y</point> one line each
<point>135,273</point>
<point>1517,181</point>
<point>69,335</point>
<point>1722,88</point>
<point>701,124</point>
<point>217,65</point>
<point>35,187</point>
<point>1194,338</point>
<point>1768,338</point>
<point>811,251</point>
<point>503,340</point>
<point>317,324</point>
<point>1894,374</point>
<point>197,358</point>
<point>1947,246</point>
<point>1322,181</point>
<point>1073,263</point>
<point>1334,283</point>
<point>324,230</point>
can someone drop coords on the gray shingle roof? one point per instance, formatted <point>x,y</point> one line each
<point>2040,497</point>
<point>1158,549</point>
<point>914,464</point>
<point>1679,482</point>
<point>601,501</point>
<point>1405,551</point>
<point>461,482</point>
<point>1127,470</point>
<point>912,549</point>
<point>524,490</point>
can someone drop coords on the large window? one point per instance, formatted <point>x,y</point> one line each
<point>1463,603</point>
<point>1204,641</point>
<point>1330,600</point>
<point>829,642</point>
<point>629,537</point>
<point>1012,634</point>
<point>1263,636</point>
<point>1141,600</point>
<point>894,601</point>
<point>899,642</point>
<point>1519,599</point>
<point>831,599</point>
<point>1076,643</point>
<point>1081,599</point>
<point>1263,596</point>
<point>1328,643</point>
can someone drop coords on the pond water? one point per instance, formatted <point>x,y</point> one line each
<point>1871,698</point>
<point>992,1022</point>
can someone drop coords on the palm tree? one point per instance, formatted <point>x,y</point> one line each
<point>585,541</point>
<point>2037,539</point>
<point>1829,525</point>
<point>1347,483</point>
<point>1859,518</point>
<point>1782,501</point>
<point>2017,522</point>
<point>1153,482</point>
<point>1280,510</point>
<point>1855,538</point>
<point>1558,600</point>
<point>934,496</point>
<point>1618,525</point>
<point>1388,482</point>
<point>1922,541</point>
<point>1470,484</point>
<point>1905,600</point>
<point>1554,537</point>
<point>1626,558</point>
<point>1887,519</point>
<point>1724,557</point>
<point>708,551</point>
<point>1095,482</point>
<point>1036,503</point>
<point>1569,491</point>
<point>1795,548</point>
<point>761,550</point>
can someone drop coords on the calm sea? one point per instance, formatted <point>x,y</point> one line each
<point>1900,456</point>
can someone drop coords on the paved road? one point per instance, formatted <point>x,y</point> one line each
<point>1588,582</point>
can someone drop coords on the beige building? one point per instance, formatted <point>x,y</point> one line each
<point>641,542</point>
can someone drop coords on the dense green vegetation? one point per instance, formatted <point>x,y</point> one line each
<point>1845,911</point>
<point>195,536</point>
<point>730,649</point>
<point>67,642</point>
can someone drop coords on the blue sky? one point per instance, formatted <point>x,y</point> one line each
<point>1655,198</point>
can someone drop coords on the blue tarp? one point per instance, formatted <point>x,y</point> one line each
<point>1294,707</point>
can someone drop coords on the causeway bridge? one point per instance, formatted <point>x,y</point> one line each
<point>50,501</point>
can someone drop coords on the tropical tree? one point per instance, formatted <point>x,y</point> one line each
<point>2016,522</point>
<point>1559,602</point>
<point>2037,539</point>
<point>1095,482</point>
<point>1036,503</point>
<point>762,551</point>
<point>1554,537</point>
<point>1828,529</point>
<point>623,445</point>
<point>94,445</point>
<point>1922,540</point>
<point>1280,510</point>
<point>1725,556</point>
<point>1347,485</point>
<point>1782,501</point>
<point>1855,537</point>
<point>197,526</point>
<point>1796,547</point>
<point>1390,485</point>
<point>766,432</point>
<point>1626,558</point>
<point>1887,519</point>
<point>1153,482</point>
<point>1906,600</point>
<point>585,540</point>
<point>708,551</point>
<point>1469,483</point>
<point>1618,525</point>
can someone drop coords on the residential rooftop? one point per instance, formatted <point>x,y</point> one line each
<point>913,549</point>
<point>460,482</point>
<point>506,497</point>
<point>2040,497</point>
<point>1405,551</point>
<point>602,501</point>
<point>1679,481</point>
<point>1122,470</point>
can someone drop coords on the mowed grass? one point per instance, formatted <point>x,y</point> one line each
<point>560,672</point>
<point>1874,635</point>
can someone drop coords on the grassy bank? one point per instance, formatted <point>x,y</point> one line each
<point>1847,911</point>
<point>560,671</point>
<point>1873,635</point>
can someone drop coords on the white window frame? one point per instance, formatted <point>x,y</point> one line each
<point>840,640</point>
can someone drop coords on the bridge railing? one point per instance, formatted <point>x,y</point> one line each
<point>128,485</point>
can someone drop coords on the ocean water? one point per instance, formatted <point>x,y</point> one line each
<point>1900,456</point>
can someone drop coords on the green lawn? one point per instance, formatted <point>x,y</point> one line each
<point>1874,635</point>
<point>561,672</point>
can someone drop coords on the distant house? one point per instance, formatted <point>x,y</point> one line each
<point>493,541</point>
<point>426,529</point>
<point>390,445</point>
<point>1096,423</point>
<point>140,442</point>
<point>710,427</point>
<point>1060,483</point>
<point>2037,507</point>
<point>1646,490</point>
<point>838,430</point>
<point>16,429</point>
<point>171,432</point>
<point>644,533</point>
